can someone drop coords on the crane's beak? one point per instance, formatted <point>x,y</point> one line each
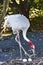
<point>33,50</point>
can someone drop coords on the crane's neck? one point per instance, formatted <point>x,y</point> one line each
<point>30,42</point>
<point>24,35</point>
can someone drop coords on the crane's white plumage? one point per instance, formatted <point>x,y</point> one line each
<point>18,22</point>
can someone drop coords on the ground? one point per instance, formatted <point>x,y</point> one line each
<point>9,49</point>
<point>37,61</point>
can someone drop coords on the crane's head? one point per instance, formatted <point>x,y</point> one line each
<point>32,46</point>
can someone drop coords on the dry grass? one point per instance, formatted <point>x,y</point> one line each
<point>7,34</point>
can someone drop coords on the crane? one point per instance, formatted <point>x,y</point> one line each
<point>18,22</point>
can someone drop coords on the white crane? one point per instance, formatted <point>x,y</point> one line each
<point>18,22</point>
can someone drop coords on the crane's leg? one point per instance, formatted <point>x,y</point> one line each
<point>17,38</point>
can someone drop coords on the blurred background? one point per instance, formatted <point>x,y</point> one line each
<point>32,9</point>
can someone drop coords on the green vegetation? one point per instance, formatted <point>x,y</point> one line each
<point>32,9</point>
<point>1,7</point>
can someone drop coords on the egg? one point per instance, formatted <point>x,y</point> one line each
<point>24,60</point>
<point>29,59</point>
